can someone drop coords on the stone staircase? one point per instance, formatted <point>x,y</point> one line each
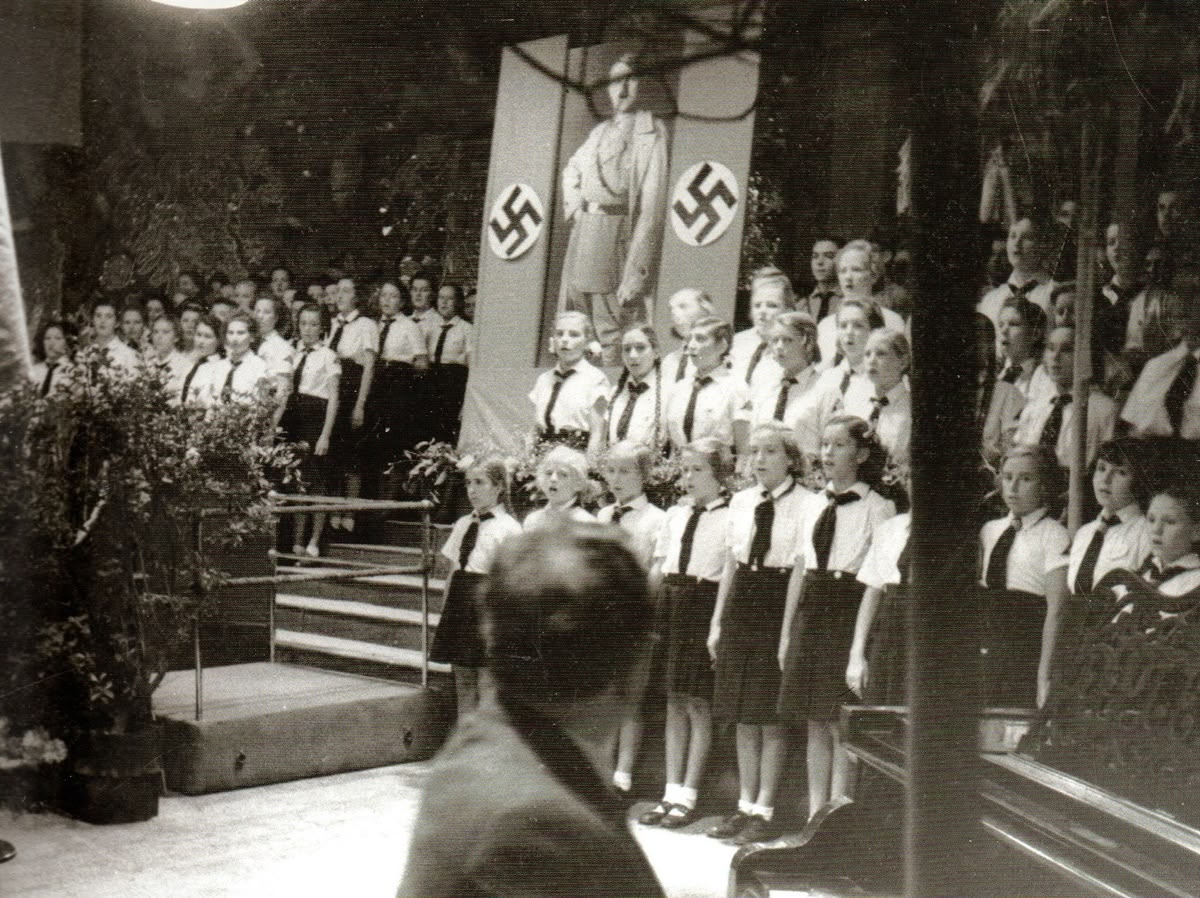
<point>367,625</point>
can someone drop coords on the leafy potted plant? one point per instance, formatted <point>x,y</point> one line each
<point>104,545</point>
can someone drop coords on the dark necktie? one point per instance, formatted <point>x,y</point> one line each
<point>689,536</point>
<point>441,343</point>
<point>470,538</point>
<point>764,521</point>
<point>785,387</point>
<point>1150,572</point>
<point>845,382</point>
<point>681,371</point>
<point>298,374</point>
<point>187,381</point>
<point>635,390</point>
<point>227,389</point>
<point>1180,391</point>
<point>51,367</point>
<point>559,378</point>
<point>754,360</point>
<point>823,300</point>
<point>826,526</point>
<point>997,569</point>
<point>689,416</point>
<point>336,340</point>
<point>383,334</point>
<point>1087,567</point>
<point>1053,425</point>
<point>1011,373</point>
<point>620,511</point>
<point>877,405</point>
<point>1022,291</point>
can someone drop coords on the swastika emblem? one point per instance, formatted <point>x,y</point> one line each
<point>516,221</point>
<point>704,203</point>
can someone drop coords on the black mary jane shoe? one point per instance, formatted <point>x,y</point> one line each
<point>656,815</point>
<point>679,816</point>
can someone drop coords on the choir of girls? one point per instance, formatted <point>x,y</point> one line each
<point>381,386</point>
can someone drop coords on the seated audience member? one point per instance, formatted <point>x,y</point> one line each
<point>770,294</point>
<point>1163,401</point>
<point>104,336</point>
<point>1026,249</point>
<point>1048,418</point>
<point>687,306</point>
<point>823,299</point>
<point>1150,329</point>
<point>712,401</point>
<point>1174,522</point>
<point>164,354</point>
<point>857,270</point>
<point>882,399</point>
<point>564,613</point>
<point>423,292</point>
<point>52,350</point>
<point>637,408</point>
<point>569,399</point>
<point>450,358</point>
<point>562,477</point>
<point>1119,536</point>
<point>794,346</point>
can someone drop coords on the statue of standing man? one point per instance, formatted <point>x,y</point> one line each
<point>614,192</point>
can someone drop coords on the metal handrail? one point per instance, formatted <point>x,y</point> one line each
<point>285,503</point>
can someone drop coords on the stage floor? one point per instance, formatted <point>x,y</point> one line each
<point>335,835</point>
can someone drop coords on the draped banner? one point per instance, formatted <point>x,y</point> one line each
<point>580,215</point>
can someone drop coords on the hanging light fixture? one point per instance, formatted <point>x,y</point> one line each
<point>202,4</point>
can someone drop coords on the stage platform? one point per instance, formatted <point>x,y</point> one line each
<point>270,723</point>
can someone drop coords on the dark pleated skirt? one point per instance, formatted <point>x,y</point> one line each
<point>887,650</point>
<point>814,675</point>
<point>393,415</point>
<point>746,676</point>
<point>458,639</point>
<point>346,440</point>
<point>1010,646</point>
<point>302,421</point>
<point>448,387</point>
<point>686,617</point>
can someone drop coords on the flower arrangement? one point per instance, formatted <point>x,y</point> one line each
<point>28,749</point>
<point>106,562</point>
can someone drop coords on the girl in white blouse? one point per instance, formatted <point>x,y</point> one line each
<point>164,355</point>
<point>1023,577</point>
<point>747,625</point>
<point>470,549</point>
<point>712,401</point>
<point>625,469</point>
<point>637,408</point>
<point>562,478</point>
<point>688,561</point>
<point>202,384</point>
<point>883,399</point>
<point>687,306</point>
<point>823,597</point>
<point>569,399</point>
<point>273,349</point>
<point>310,415</point>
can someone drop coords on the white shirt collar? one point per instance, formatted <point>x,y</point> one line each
<point>350,316</point>
<point>785,486</point>
<point>1028,520</point>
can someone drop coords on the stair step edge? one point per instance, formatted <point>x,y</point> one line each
<point>350,608</point>
<point>355,649</point>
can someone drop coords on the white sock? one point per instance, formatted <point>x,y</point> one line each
<point>746,807</point>
<point>760,810</point>
<point>671,793</point>
<point>623,781</point>
<point>686,797</point>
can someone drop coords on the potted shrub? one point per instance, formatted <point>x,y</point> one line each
<point>104,545</point>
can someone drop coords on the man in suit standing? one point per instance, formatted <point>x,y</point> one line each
<point>519,801</point>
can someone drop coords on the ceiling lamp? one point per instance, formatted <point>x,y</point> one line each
<point>202,4</point>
